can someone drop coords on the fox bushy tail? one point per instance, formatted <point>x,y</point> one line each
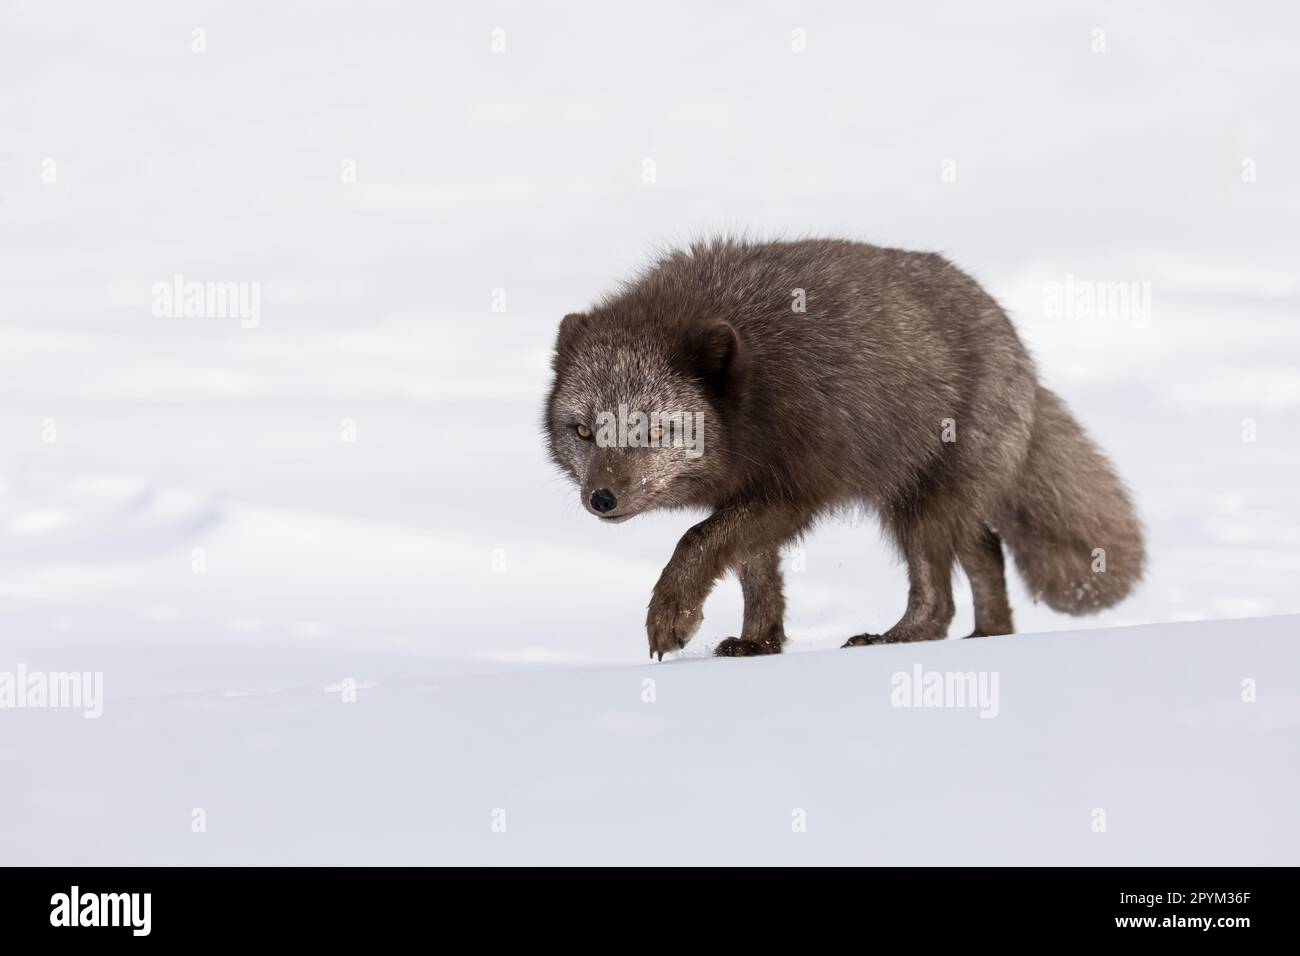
<point>1071,525</point>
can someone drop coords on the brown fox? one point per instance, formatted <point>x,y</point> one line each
<point>772,383</point>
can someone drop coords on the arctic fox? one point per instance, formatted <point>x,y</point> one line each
<point>771,383</point>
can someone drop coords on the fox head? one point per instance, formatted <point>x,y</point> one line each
<point>634,416</point>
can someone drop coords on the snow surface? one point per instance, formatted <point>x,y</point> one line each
<point>713,762</point>
<point>198,527</point>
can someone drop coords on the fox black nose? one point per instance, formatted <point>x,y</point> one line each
<point>603,500</point>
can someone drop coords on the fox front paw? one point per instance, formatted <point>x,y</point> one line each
<point>742,647</point>
<point>671,622</point>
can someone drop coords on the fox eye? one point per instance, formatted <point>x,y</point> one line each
<point>584,432</point>
<point>656,432</point>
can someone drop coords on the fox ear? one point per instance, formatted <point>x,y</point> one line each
<point>712,349</point>
<point>570,326</point>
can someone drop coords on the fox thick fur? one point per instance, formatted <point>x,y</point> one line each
<point>828,374</point>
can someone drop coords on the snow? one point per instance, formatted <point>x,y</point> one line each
<point>800,759</point>
<point>226,520</point>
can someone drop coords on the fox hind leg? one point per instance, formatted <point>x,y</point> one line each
<point>981,559</point>
<point>927,543</point>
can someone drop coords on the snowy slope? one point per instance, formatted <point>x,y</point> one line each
<point>715,761</point>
